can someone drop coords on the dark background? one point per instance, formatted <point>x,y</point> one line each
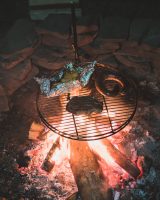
<point>11,10</point>
<point>123,8</point>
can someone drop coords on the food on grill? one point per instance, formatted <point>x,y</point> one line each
<point>109,83</point>
<point>87,73</point>
<point>68,76</point>
<point>61,88</point>
<point>87,105</point>
<point>67,79</point>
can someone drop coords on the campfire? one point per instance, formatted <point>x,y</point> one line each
<point>76,138</point>
<point>97,164</point>
<point>93,102</point>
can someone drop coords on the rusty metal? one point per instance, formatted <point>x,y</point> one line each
<point>117,113</point>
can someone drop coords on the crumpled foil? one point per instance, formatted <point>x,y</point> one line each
<point>87,73</point>
<point>62,88</point>
<point>57,84</point>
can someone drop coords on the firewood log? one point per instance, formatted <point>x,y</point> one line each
<point>47,164</point>
<point>87,174</point>
<point>121,159</point>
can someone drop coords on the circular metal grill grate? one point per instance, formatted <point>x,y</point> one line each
<point>117,113</point>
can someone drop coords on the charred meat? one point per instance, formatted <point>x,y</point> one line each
<point>84,105</point>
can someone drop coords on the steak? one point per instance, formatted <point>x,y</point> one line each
<point>84,105</point>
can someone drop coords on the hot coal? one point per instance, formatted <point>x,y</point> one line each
<point>87,105</point>
<point>23,160</point>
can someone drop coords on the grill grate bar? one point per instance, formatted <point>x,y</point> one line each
<point>108,114</point>
<point>116,114</point>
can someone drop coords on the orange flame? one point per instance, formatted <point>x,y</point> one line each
<point>110,168</point>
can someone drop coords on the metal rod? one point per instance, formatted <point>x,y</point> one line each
<point>75,126</point>
<point>74,30</point>
<point>108,114</point>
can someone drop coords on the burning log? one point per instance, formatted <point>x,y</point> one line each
<point>121,159</point>
<point>47,164</point>
<point>87,173</point>
<point>35,131</point>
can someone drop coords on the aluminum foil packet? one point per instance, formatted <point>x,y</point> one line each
<point>67,79</point>
<point>87,73</point>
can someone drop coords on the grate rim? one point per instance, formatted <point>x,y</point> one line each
<point>88,129</point>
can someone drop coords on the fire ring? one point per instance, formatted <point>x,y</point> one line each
<point>117,113</point>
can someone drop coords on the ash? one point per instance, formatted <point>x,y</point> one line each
<point>142,146</point>
<point>139,141</point>
<point>24,183</point>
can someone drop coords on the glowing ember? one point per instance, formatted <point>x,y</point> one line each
<point>62,152</point>
<point>110,168</point>
<point>107,162</point>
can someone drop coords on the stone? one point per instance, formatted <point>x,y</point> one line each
<point>87,29</point>
<point>61,36</point>
<point>86,39</point>
<point>14,78</point>
<point>127,44</point>
<point>21,35</point>
<point>100,49</point>
<point>137,67</point>
<point>108,44</point>
<point>19,72</point>
<point>55,42</point>
<point>111,61</point>
<point>50,58</point>
<point>3,100</point>
<point>35,131</point>
<point>114,27</point>
<point>132,61</point>
<point>137,52</point>
<point>8,61</point>
<point>86,24</point>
